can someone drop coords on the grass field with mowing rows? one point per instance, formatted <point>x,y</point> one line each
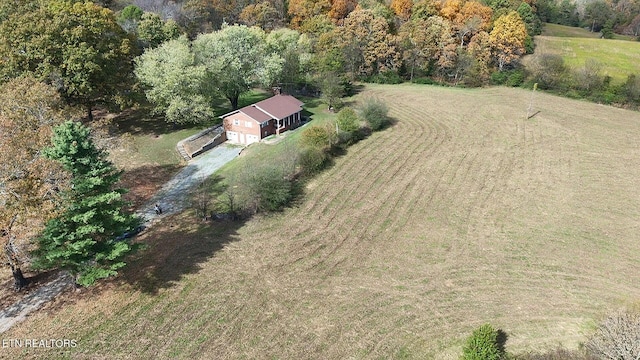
<point>461,213</point>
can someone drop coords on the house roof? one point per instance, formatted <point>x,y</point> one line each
<point>275,107</point>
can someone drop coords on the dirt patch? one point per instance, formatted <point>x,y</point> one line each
<point>145,181</point>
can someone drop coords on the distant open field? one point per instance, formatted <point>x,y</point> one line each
<point>461,213</point>
<point>618,57</point>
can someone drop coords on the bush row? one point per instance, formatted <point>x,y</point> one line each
<point>319,143</point>
<point>267,187</point>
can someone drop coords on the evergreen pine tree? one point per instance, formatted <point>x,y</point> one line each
<point>82,238</point>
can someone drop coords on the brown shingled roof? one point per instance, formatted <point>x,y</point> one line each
<point>276,107</point>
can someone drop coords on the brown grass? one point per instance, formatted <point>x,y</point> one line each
<point>461,213</point>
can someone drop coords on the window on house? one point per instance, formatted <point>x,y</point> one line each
<point>236,122</point>
<point>247,123</point>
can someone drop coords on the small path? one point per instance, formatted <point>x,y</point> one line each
<point>172,199</point>
<point>21,308</point>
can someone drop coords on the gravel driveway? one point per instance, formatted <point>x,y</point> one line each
<point>172,196</point>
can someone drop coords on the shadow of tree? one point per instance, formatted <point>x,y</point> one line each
<point>36,279</point>
<point>174,248</point>
<point>501,341</point>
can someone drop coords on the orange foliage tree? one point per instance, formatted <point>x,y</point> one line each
<point>402,8</point>
<point>472,18</point>
<point>262,14</point>
<point>340,9</point>
<point>507,39</point>
<point>450,9</point>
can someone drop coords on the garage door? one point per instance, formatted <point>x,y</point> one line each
<point>251,139</point>
<point>232,136</point>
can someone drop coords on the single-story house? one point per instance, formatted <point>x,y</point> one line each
<point>270,116</point>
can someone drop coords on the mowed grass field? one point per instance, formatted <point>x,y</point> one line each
<point>461,213</point>
<point>619,57</point>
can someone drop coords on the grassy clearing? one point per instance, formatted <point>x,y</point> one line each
<point>619,58</point>
<point>461,213</point>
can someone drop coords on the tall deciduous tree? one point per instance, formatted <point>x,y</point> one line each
<point>176,85</point>
<point>294,49</point>
<point>368,46</point>
<point>153,31</point>
<point>263,14</point>
<point>427,43</point>
<point>302,10</point>
<point>29,183</point>
<point>82,238</point>
<point>340,9</point>
<point>472,18</point>
<point>596,14</point>
<point>402,8</point>
<point>76,46</point>
<point>235,60</point>
<point>507,38</point>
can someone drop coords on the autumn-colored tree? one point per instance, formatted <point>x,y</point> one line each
<point>427,44</point>
<point>450,9</point>
<point>507,39</point>
<point>225,8</point>
<point>367,44</point>
<point>402,8</point>
<point>301,10</point>
<point>472,9</point>
<point>340,9</point>
<point>480,48</point>
<point>472,18</point>
<point>29,183</point>
<point>262,14</point>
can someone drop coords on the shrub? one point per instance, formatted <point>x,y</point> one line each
<point>385,77</point>
<point>515,78</point>
<point>374,112</point>
<point>270,189</point>
<point>617,337</point>
<point>499,77</point>
<point>312,160</point>
<point>548,70</point>
<point>347,120</point>
<point>631,89</point>
<point>588,77</point>
<point>484,344</point>
<point>316,137</point>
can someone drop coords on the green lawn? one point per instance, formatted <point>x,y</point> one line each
<point>262,152</point>
<point>619,58</point>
